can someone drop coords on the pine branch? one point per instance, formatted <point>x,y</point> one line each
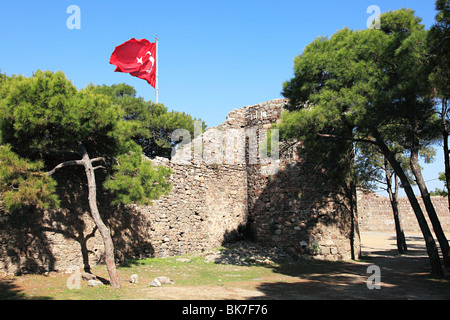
<point>98,159</point>
<point>65,164</point>
<point>333,136</point>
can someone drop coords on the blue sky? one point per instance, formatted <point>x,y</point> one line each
<point>214,55</point>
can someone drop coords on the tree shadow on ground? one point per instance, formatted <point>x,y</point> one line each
<point>300,204</point>
<point>10,291</point>
<point>402,277</point>
<point>411,243</point>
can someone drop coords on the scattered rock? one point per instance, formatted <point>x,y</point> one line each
<point>155,283</point>
<point>183,260</point>
<point>134,278</point>
<point>160,280</point>
<point>244,253</point>
<point>88,276</point>
<point>212,258</point>
<point>164,280</point>
<point>94,283</point>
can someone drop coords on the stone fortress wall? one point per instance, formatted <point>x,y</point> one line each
<point>224,186</point>
<point>281,201</point>
<point>375,213</point>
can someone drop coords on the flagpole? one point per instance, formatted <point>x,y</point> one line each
<point>157,69</point>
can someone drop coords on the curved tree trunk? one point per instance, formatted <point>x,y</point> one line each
<point>445,133</point>
<point>443,242</point>
<point>104,231</point>
<point>86,162</point>
<point>432,251</point>
<point>401,241</point>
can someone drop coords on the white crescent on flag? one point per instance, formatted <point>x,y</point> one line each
<point>152,60</point>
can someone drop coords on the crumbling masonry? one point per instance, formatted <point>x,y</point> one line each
<point>224,187</point>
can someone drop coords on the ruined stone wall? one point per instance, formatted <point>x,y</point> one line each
<point>207,203</point>
<point>206,206</point>
<point>223,184</point>
<point>34,240</point>
<point>375,213</point>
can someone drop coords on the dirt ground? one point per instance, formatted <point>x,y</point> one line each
<point>402,277</point>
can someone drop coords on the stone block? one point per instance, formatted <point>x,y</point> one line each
<point>95,283</point>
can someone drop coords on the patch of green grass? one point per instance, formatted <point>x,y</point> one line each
<point>195,272</point>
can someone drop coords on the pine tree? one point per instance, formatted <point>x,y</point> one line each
<point>357,86</point>
<point>46,124</point>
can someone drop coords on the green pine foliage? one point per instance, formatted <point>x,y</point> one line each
<point>438,42</point>
<point>136,180</point>
<point>151,123</point>
<point>22,182</point>
<point>441,192</point>
<point>44,120</point>
<point>358,82</point>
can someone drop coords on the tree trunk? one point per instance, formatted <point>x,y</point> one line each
<point>443,242</point>
<point>401,241</point>
<point>104,232</point>
<point>398,216</point>
<point>350,186</point>
<point>355,240</point>
<point>436,268</point>
<point>445,133</point>
<point>86,162</point>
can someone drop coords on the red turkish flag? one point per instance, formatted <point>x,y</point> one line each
<point>136,57</point>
